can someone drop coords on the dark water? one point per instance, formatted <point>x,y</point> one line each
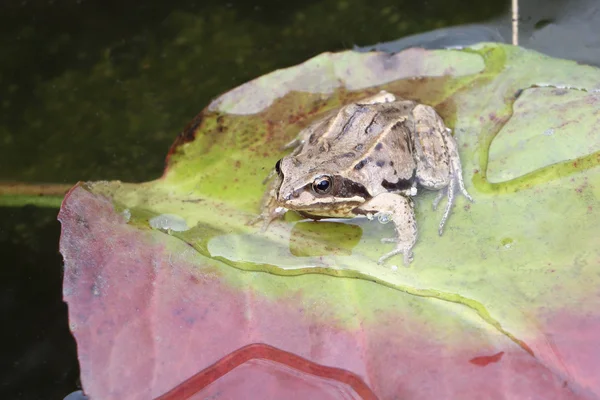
<point>99,89</point>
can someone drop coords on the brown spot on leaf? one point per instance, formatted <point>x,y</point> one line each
<point>189,132</point>
<point>518,93</point>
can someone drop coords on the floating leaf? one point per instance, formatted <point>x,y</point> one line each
<point>504,304</point>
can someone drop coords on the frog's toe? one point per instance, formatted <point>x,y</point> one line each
<point>266,221</point>
<point>468,196</point>
<point>255,220</point>
<point>438,198</point>
<point>408,255</point>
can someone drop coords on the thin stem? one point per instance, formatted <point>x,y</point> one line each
<point>18,194</point>
<point>515,22</point>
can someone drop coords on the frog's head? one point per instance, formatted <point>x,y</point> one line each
<point>317,190</point>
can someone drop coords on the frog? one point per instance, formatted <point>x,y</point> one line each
<point>368,158</point>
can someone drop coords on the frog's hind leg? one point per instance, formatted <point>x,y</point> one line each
<point>438,166</point>
<point>456,165</point>
<point>456,179</point>
<point>451,189</point>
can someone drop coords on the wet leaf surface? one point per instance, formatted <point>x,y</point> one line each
<point>504,304</point>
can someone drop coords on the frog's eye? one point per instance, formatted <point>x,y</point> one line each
<point>322,185</point>
<point>278,167</point>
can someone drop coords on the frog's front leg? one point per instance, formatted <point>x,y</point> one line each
<point>400,211</point>
<point>270,209</point>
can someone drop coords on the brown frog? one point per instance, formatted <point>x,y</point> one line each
<point>367,159</point>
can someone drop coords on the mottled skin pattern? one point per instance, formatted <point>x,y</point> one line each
<point>368,158</point>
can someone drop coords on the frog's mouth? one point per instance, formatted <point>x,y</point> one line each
<point>307,201</point>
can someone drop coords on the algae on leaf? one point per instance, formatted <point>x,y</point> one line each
<point>487,309</point>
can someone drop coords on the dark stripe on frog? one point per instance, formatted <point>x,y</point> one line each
<point>409,144</point>
<point>347,155</point>
<point>402,184</point>
<point>343,188</point>
<point>348,124</point>
<point>368,128</point>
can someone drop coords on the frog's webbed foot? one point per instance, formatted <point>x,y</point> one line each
<point>399,210</point>
<point>267,217</point>
<point>408,255</point>
<point>450,190</point>
<point>407,251</point>
<point>438,198</point>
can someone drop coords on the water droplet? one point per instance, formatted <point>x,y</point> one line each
<point>169,222</point>
<point>384,218</point>
<point>126,214</point>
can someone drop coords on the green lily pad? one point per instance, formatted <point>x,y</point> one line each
<point>509,294</point>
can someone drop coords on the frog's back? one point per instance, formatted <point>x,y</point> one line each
<point>370,144</point>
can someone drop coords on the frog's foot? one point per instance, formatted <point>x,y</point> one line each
<point>461,186</point>
<point>450,191</point>
<point>408,254</point>
<point>458,178</point>
<point>267,217</point>
<point>255,220</point>
<point>406,250</point>
<point>438,198</point>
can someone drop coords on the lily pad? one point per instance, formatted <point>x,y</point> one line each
<point>504,305</point>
